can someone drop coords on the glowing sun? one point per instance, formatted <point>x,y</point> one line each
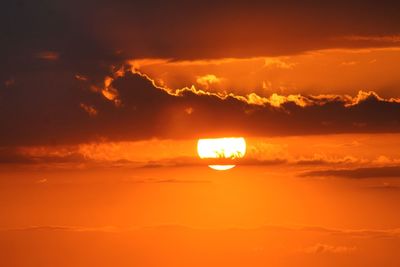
<point>219,150</point>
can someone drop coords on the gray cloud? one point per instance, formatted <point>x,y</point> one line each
<point>51,113</point>
<point>358,173</point>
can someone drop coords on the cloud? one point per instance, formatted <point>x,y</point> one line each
<point>57,101</point>
<point>48,55</point>
<point>208,80</point>
<point>316,231</point>
<point>385,187</point>
<point>395,38</point>
<point>393,233</point>
<point>90,110</point>
<point>171,181</point>
<point>278,63</point>
<point>104,31</point>
<point>187,36</point>
<point>17,155</point>
<point>54,113</point>
<point>322,159</point>
<point>281,246</point>
<point>358,173</point>
<point>41,181</point>
<point>61,228</point>
<point>324,248</point>
<point>243,76</point>
<point>194,161</point>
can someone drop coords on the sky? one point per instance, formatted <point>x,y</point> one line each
<point>102,104</point>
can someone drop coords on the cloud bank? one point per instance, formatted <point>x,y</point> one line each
<point>130,106</point>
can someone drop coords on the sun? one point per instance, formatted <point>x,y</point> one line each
<point>219,150</point>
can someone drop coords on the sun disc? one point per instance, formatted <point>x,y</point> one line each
<point>230,148</point>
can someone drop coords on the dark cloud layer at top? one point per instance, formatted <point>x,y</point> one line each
<point>215,29</point>
<point>87,31</point>
<point>88,36</point>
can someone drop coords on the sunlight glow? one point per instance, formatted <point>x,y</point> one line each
<point>221,148</point>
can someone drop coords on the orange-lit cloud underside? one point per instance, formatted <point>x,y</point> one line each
<point>347,151</point>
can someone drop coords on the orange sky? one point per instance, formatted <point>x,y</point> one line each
<point>279,212</point>
<point>282,181</point>
<point>102,104</point>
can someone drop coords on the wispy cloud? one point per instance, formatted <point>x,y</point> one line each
<point>48,55</point>
<point>358,173</point>
<point>394,38</point>
<point>325,248</point>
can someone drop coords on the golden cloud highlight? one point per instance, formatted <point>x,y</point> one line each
<point>274,100</point>
<point>208,80</point>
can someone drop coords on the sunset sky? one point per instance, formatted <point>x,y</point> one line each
<point>103,103</point>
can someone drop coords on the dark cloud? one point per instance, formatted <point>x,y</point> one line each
<point>188,161</point>
<point>53,52</point>
<point>87,32</point>
<point>215,29</point>
<point>87,37</point>
<point>49,35</point>
<point>45,107</point>
<point>326,248</point>
<point>385,187</point>
<point>359,173</point>
<point>10,155</point>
